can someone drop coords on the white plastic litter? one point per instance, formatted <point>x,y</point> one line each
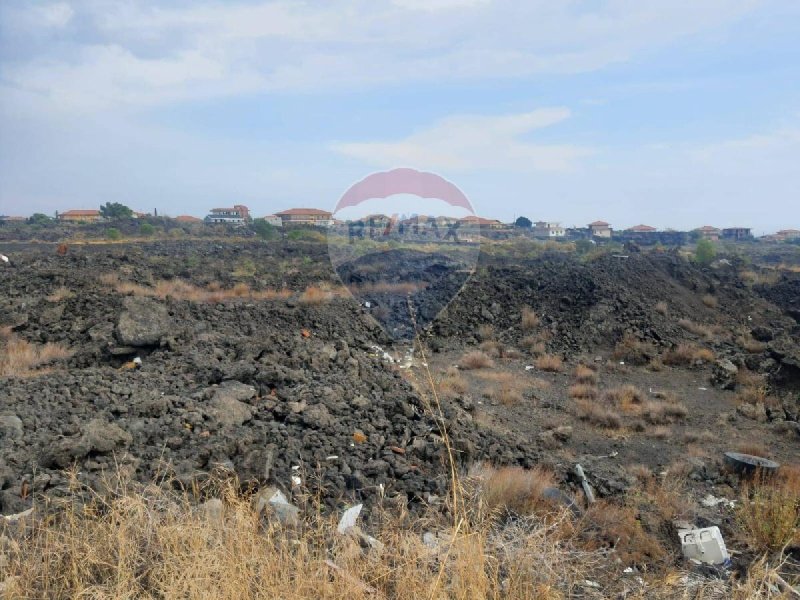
<point>349,518</point>
<point>705,545</point>
<point>4,258</point>
<point>137,361</point>
<point>296,480</point>
<point>529,367</point>
<point>710,501</point>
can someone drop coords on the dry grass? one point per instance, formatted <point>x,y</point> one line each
<point>750,345</point>
<point>700,437</point>
<point>687,355</point>
<point>533,345</point>
<point>59,294</point>
<point>583,391</point>
<point>747,378</point>
<point>179,289</point>
<point>627,398</point>
<point>19,358</point>
<point>550,363</point>
<point>598,415</point>
<point>769,510</point>
<point>485,332</point>
<point>754,449</point>
<point>155,543</point>
<point>514,489</point>
<point>704,331</point>
<point>476,360</point>
<point>315,296</point>
<point>662,308</point>
<point>505,388</point>
<point>384,287</point>
<point>452,384</point>
<point>710,301</point>
<point>530,320</point>
<point>584,374</point>
<point>634,351</point>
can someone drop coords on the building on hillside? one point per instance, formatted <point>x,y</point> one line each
<point>737,233</point>
<point>273,220</point>
<point>600,229</point>
<point>305,216</point>
<point>9,219</point>
<point>548,229</point>
<point>236,215</point>
<point>788,234</point>
<point>188,220</point>
<point>80,216</point>
<point>641,229</point>
<point>707,232</point>
<point>482,222</point>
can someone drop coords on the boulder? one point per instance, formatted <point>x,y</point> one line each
<point>10,427</point>
<point>723,374</point>
<point>227,404</point>
<point>144,322</point>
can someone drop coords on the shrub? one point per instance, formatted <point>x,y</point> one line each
<point>530,319</point>
<point>113,234</point>
<point>704,252</point>
<point>549,362</point>
<point>476,360</point>
<point>146,229</point>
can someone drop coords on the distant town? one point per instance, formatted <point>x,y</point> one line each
<point>421,225</point>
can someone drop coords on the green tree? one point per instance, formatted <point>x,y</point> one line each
<point>523,223</point>
<point>264,230</point>
<point>115,210</point>
<point>39,219</point>
<point>113,234</point>
<point>704,252</point>
<point>583,246</point>
<point>146,229</point>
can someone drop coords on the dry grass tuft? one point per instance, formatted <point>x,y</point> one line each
<point>704,331</point>
<point>485,332</point>
<point>662,308</point>
<point>514,489</point>
<point>583,391</point>
<point>19,358</point>
<point>627,398</point>
<point>476,360</point>
<point>750,345</point>
<point>550,363</point>
<point>59,294</point>
<point>634,351</point>
<point>687,355</point>
<point>593,413</point>
<point>754,449</point>
<point>769,510</point>
<point>452,384</point>
<point>530,320</point>
<point>584,374</point>
<point>710,301</point>
<point>314,296</point>
<point>179,289</point>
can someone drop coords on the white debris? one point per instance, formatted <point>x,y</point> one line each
<point>332,457</point>
<point>349,518</point>
<point>710,501</point>
<point>367,304</point>
<point>18,516</point>
<point>296,480</point>
<point>705,545</point>
<point>278,496</point>
<point>702,389</point>
<point>4,258</point>
<point>529,367</point>
<point>137,361</point>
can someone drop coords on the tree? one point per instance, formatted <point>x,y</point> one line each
<point>523,223</point>
<point>115,210</point>
<point>39,219</point>
<point>704,252</point>
<point>583,246</point>
<point>264,230</point>
<point>146,229</point>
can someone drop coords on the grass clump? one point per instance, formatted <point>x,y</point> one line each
<point>769,510</point>
<point>586,375</point>
<point>476,360</point>
<point>530,320</point>
<point>20,358</point>
<point>550,363</point>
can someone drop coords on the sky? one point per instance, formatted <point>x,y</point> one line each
<point>671,113</point>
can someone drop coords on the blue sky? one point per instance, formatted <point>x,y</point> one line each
<point>672,113</point>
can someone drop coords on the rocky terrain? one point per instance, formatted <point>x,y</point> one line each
<point>188,356</point>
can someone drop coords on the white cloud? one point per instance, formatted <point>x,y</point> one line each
<point>130,53</point>
<point>474,142</point>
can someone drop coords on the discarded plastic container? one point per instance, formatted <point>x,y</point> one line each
<point>705,545</point>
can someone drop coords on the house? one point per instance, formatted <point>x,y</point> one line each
<point>788,234</point>
<point>474,220</point>
<point>641,229</point>
<point>237,215</point>
<point>707,232</point>
<point>600,229</point>
<point>737,233</point>
<point>188,219</point>
<point>305,216</point>
<point>80,216</point>
<point>547,229</point>
<point>274,220</point>
<point>7,219</point>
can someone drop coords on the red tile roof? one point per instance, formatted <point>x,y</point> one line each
<point>642,229</point>
<point>708,228</point>
<point>187,219</point>
<point>598,224</point>
<point>80,213</point>
<point>304,212</point>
